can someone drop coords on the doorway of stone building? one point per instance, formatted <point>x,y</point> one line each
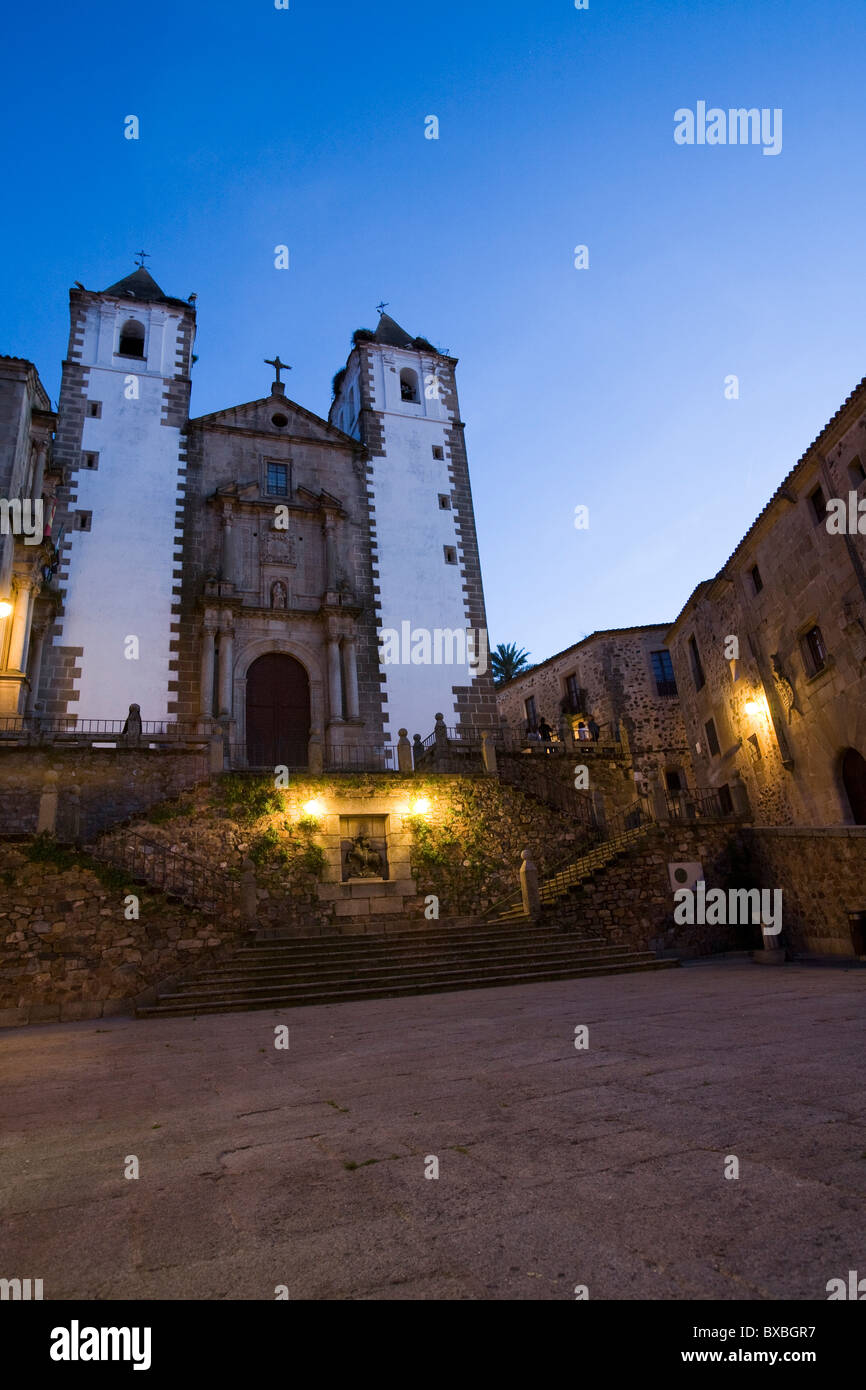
<point>854,782</point>
<point>278,712</point>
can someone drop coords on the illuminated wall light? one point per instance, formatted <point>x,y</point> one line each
<point>314,807</point>
<point>5,608</point>
<point>420,806</point>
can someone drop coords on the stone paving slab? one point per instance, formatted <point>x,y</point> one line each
<point>557,1166</point>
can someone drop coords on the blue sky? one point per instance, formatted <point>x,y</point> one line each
<point>602,387</point>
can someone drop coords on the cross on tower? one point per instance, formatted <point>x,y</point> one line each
<point>142,254</point>
<point>277,365</point>
<point>382,307</point>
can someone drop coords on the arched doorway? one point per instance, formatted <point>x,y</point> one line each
<point>854,782</point>
<point>278,712</point>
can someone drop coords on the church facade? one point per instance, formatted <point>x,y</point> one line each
<point>244,569</point>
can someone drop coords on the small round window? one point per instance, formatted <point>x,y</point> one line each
<point>280,421</point>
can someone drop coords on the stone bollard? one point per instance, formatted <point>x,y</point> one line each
<point>488,752</point>
<point>440,733</point>
<point>48,805</point>
<point>566,733</point>
<point>404,751</point>
<point>249,902</point>
<point>131,732</point>
<point>529,886</point>
<point>417,750</point>
<point>315,762</point>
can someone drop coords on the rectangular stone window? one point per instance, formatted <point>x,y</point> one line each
<point>698,676</point>
<point>573,695</point>
<point>712,738</point>
<point>814,651</point>
<point>673,780</point>
<point>94,409</point>
<point>90,461</point>
<point>363,847</point>
<point>81,521</point>
<point>438,451</point>
<point>531,711</point>
<point>450,554</point>
<point>444,502</point>
<point>278,479</point>
<point>663,673</point>
<point>756,578</point>
<point>819,504</point>
<point>856,473</point>
<point>726,804</point>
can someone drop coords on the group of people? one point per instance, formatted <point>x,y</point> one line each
<point>543,733</point>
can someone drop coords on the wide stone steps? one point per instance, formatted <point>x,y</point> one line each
<point>556,886</point>
<point>316,970</point>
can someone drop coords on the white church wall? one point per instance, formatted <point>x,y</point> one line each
<point>121,570</point>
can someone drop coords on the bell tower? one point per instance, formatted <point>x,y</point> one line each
<point>124,404</point>
<point>398,395</point>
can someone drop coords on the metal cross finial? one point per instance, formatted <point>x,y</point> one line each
<point>382,307</point>
<point>142,254</point>
<point>277,365</point>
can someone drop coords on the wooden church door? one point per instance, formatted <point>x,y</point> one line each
<point>278,712</point>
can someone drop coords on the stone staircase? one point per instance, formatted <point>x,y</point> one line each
<point>284,973</point>
<point>554,887</point>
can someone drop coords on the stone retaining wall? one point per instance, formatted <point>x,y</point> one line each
<point>822,874</point>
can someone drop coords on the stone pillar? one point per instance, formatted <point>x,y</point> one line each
<point>350,672</point>
<point>566,733</point>
<point>207,660</point>
<point>335,692</point>
<point>225,671</point>
<point>315,761</point>
<point>20,625</point>
<point>330,527</point>
<point>36,645</point>
<point>529,886</point>
<point>248,896</point>
<point>227,549</point>
<point>39,470</point>
<point>216,754</point>
<point>404,752</point>
<point>417,750</point>
<point>440,731</point>
<point>48,805</point>
<point>488,752</point>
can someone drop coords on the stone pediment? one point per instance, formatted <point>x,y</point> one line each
<point>275,417</point>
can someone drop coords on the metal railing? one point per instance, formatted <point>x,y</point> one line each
<point>361,757</point>
<point>531,776</point>
<point>194,881</point>
<point>700,803</point>
<point>16,726</point>
<point>265,756</point>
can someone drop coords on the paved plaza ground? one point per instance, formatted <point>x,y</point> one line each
<point>557,1166</point>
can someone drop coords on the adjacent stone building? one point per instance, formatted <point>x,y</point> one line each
<point>27,555</point>
<point>770,654</point>
<point>620,680</point>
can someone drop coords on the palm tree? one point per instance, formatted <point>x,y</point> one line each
<point>508,661</point>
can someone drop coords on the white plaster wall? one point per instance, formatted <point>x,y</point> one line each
<point>121,571</point>
<point>415,582</point>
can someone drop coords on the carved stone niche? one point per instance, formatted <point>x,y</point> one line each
<point>363,847</point>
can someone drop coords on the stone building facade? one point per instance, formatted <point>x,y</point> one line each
<point>246,567</point>
<point>770,654</point>
<point>28,485</point>
<point>623,681</point>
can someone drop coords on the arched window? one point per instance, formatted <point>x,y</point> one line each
<point>131,339</point>
<point>408,384</point>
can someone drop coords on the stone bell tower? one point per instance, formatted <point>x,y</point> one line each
<point>398,395</point>
<point>124,401</point>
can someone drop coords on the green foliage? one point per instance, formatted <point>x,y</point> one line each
<point>313,859</point>
<point>247,799</point>
<point>268,848</point>
<point>308,825</point>
<point>508,661</point>
<point>44,849</point>
<point>169,810</point>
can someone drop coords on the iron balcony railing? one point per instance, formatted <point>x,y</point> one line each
<point>700,803</point>
<point>361,757</point>
<point>73,726</point>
